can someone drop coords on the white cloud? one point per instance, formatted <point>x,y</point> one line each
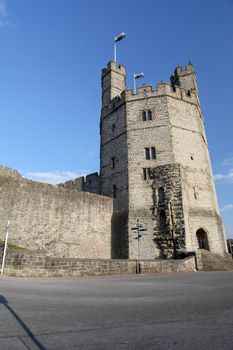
<point>227,161</point>
<point>3,13</point>
<point>226,208</point>
<point>224,177</point>
<point>54,177</point>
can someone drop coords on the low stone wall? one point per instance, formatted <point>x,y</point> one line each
<point>37,264</point>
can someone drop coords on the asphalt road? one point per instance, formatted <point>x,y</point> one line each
<point>151,312</point>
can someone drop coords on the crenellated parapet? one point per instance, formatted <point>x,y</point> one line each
<point>120,69</point>
<point>185,78</point>
<point>162,89</point>
<point>147,91</point>
<point>90,183</point>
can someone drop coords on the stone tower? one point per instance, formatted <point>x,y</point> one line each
<point>155,164</point>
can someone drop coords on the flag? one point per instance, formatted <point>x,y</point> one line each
<point>139,75</point>
<point>120,37</point>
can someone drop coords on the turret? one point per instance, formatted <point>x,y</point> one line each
<point>185,78</point>
<point>113,82</point>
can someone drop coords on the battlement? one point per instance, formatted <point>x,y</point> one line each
<point>90,183</point>
<point>182,71</point>
<point>162,88</point>
<point>113,66</point>
<point>184,77</point>
<point>147,91</point>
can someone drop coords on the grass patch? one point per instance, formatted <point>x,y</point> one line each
<point>11,246</point>
<point>15,247</point>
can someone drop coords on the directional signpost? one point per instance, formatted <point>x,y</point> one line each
<point>138,228</point>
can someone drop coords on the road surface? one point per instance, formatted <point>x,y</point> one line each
<point>146,312</point>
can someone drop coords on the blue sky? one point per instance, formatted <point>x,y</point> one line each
<point>52,52</point>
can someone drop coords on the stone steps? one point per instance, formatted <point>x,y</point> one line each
<point>215,262</point>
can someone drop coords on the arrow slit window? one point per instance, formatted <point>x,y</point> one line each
<point>161,195</point>
<point>114,191</point>
<point>162,220</point>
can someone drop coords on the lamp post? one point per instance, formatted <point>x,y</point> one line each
<point>5,246</point>
<point>135,77</point>
<point>117,38</point>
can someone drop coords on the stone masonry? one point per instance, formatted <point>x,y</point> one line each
<point>155,170</point>
<point>143,133</point>
<point>62,221</point>
<point>37,264</point>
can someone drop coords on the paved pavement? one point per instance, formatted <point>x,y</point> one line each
<point>151,312</point>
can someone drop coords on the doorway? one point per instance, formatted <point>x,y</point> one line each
<point>202,240</point>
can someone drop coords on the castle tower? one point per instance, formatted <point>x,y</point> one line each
<point>113,82</point>
<point>155,164</point>
<point>185,78</point>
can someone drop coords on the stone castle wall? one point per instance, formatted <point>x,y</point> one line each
<point>64,222</point>
<point>68,220</point>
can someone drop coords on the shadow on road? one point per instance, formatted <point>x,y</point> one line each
<point>21,323</point>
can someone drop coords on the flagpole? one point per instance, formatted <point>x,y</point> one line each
<point>115,52</point>
<point>137,76</point>
<point>117,38</point>
<point>134,84</point>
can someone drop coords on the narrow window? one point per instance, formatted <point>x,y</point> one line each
<point>113,128</point>
<point>153,153</point>
<point>147,153</point>
<point>162,220</point>
<point>161,195</point>
<point>147,173</point>
<point>113,159</point>
<point>114,191</point>
<point>194,193</point>
<point>144,116</point>
<point>149,115</point>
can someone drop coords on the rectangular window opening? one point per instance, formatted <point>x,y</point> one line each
<point>149,115</point>
<point>146,115</point>
<point>153,153</point>
<point>114,191</point>
<point>147,153</point>
<point>150,153</point>
<point>113,159</point>
<point>146,173</point>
